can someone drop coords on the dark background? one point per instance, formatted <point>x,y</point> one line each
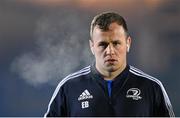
<point>42,41</point>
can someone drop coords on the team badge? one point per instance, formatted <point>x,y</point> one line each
<point>134,93</point>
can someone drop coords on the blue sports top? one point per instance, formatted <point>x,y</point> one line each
<point>132,93</point>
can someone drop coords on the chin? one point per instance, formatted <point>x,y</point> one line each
<point>111,69</point>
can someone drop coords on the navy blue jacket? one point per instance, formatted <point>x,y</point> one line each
<point>132,93</point>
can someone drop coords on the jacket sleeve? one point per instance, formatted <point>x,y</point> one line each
<point>57,106</point>
<point>162,103</point>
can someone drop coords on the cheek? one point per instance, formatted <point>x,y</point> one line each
<point>99,50</point>
<point>99,54</point>
<point>121,51</point>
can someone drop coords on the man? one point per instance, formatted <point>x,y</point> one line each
<point>109,87</point>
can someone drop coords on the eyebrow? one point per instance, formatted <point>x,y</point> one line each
<point>104,42</point>
<point>116,41</point>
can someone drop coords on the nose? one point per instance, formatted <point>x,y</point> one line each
<point>110,49</point>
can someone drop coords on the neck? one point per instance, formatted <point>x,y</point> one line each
<point>110,74</point>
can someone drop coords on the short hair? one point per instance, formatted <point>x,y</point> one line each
<point>104,19</point>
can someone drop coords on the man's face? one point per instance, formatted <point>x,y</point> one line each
<point>110,48</point>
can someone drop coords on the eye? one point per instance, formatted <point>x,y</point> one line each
<point>103,44</point>
<point>115,43</point>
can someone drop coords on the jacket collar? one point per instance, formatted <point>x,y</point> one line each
<point>96,74</point>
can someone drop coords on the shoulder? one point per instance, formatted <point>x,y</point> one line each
<point>74,76</point>
<point>148,82</point>
<point>139,74</point>
<point>157,85</point>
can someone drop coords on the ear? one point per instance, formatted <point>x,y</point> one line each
<point>128,48</point>
<point>91,44</point>
<point>128,43</point>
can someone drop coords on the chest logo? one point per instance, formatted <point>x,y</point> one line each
<point>134,93</point>
<point>85,95</point>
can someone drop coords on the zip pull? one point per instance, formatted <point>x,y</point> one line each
<point>109,85</point>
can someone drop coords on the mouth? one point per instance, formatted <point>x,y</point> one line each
<point>110,60</point>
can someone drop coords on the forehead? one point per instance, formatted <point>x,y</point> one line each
<point>114,31</point>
